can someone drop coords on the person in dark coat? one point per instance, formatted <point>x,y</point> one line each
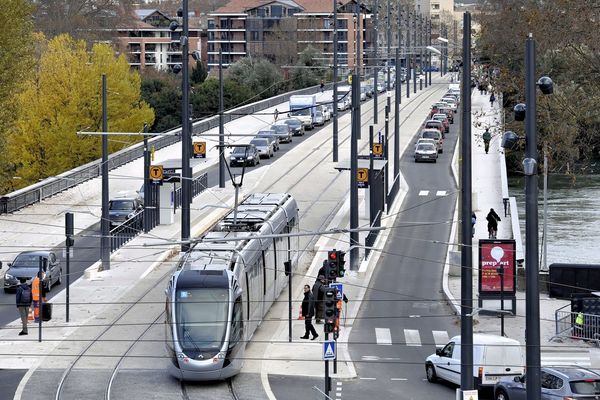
<point>23,299</point>
<point>308,311</point>
<point>318,290</point>
<point>492,219</point>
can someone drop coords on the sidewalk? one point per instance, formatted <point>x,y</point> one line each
<point>487,194</point>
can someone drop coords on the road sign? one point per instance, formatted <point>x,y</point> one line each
<point>156,174</point>
<point>377,150</point>
<point>340,290</point>
<point>470,395</point>
<point>362,177</point>
<point>199,149</point>
<point>329,351</point>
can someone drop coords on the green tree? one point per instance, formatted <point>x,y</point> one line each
<point>162,91</point>
<point>64,96</point>
<point>205,98</point>
<point>16,63</point>
<point>310,69</point>
<point>263,78</point>
<point>198,74</point>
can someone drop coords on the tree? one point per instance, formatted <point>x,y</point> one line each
<point>205,98</point>
<point>62,97</point>
<point>16,63</point>
<point>259,75</point>
<point>199,73</point>
<point>162,91</point>
<point>310,69</point>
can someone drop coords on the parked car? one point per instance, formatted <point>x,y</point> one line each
<point>27,264</point>
<point>452,103</point>
<point>122,208</point>
<point>271,136</point>
<point>319,118</point>
<point>426,152</point>
<point>282,131</point>
<point>449,113</point>
<point>443,119</point>
<point>494,358</point>
<point>295,126</point>
<point>557,383</point>
<point>264,147</point>
<point>325,110</point>
<point>433,124</point>
<point>436,107</point>
<point>244,155</point>
<point>436,135</point>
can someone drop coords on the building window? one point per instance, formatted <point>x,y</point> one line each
<point>254,35</point>
<point>211,24</point>
<point>435,6</point>
<point>276,11</point>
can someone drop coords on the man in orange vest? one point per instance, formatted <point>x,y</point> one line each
<point>35,292</point>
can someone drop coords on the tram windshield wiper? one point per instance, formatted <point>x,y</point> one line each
<point>186,335</point>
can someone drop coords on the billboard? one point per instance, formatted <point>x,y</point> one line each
<point>495,257</point>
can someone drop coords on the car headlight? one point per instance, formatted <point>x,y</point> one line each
<point>249,157</point>
<point>130,215</point>
<point>8,276</point>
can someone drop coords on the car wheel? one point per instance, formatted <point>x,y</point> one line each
<point>430,371</point>
<point>59,281</point>
<point>441,151</point>
<point>435,160</point>
<point>501,395</point>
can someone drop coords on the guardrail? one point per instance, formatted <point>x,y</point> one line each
<point>516,231</point>
<point>576,325</point>
<point>504,183</point>
<point>126,231</point>
<point>50,186</point>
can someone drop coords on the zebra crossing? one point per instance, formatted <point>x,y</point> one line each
<point>437,193</point>
<point>550,356</point>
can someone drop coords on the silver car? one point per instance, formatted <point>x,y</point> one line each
<point>269,135</point>
<point>426,152</point>
<point>264,147</point>
<point>319,118</point>
<point>558,383</point>
<point>283,132</point>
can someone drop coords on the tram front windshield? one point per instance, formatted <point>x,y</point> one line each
<point>201,319</point>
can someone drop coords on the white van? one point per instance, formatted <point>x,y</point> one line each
<point>494,358</point>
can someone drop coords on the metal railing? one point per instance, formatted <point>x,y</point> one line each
<point>372,235</point>
<point>126,231</point>
<point>568,326</point>
<point>198,185</point>
<point>394,189</point>
<point>51,186</point>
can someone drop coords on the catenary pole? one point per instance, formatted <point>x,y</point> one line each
<point>186,137</point>
<point>335,83</point>
<point>105,222</point>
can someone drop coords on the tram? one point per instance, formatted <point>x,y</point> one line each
<point>225,284</point>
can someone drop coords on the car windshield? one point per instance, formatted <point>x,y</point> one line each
<point>588,386</point>
<point>280,128</point>
<point>319,114</point>
<point>425,147</point>
<point>202,318</point>
<point>260,142</point>
<point>26,261</point>
<point>304,111</point>
<point>293,122</point>
<point>241,151</point>
<point>121,205</point>
<point>430,135</point>
<point>432,124</point>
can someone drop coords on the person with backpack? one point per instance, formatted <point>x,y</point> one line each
<point>492,99</point>
<point>23,300</point>
<point>487,137</point>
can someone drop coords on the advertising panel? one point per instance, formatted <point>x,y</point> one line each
<point>497,257</point>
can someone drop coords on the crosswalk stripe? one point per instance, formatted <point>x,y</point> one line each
<point>424,193</point>
<point>440,338</point>
<point>440,193</point>
<point>412,337</point>
<point>384,336</point>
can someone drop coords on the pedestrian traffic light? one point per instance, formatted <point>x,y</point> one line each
<point>332,272</point>
<point>329,310</point>
<point>341,271</point>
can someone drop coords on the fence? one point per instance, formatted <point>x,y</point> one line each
<point>126,231</point>
<point>49,187</point>
<point>568,326</point>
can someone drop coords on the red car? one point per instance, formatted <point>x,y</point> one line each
<point>433,124</point>
<point>449,113</point>
<point>443,119</point>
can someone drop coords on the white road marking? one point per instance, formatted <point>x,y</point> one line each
<point>412,337</point>
<point>338,389</point>
<point>370,358</point>
<point>440,338</point>
<point>398,379</point>
<point>339,383</point>
<point>440,193</point>
<point>384,336</point>
<point>424,193</point>
<point>367,379</point>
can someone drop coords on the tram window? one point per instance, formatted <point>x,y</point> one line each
<point>237,324</point>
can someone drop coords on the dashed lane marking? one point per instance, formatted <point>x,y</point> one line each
<point>424,193</point>
<point>412,337</point>
<point>440,338</point>
<point>384,336</point>
<point>398,379</point>
<point>440,193</point>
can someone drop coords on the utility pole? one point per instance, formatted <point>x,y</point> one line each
<point>398,62</point>
<point>221,123</point>
<point>387,55</point>
<point>186,136</point>
<point>408,55</point>
<point>466,283</point>
<point>427,52</point>
<point>335,83</point>
<point>375,69</point>
<point>104,222</point>
<point>354,236</point>
<point>421,50</point>
<point>429,42</point>
<point>415,54</point>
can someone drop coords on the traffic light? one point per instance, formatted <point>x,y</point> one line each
<point>341,271</point>
<point>329,310</point>
<point>332,270</point>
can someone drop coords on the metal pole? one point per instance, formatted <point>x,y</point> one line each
<point>375,69</point>
<point>408,55</point>
<point>532,293</point>
<point>442,50</point>
<point>335,83</point>
<point>41,298</point>
<point>446,50</point>
<point>415,56</point>
<point>544,229</point>
<point>387,55</point>
<point>466,283</point>
<point>68,237</point>
<point>186,137</point>
<point>386,151</point>
<point>501,271</point>
<point>429,42</point>
<point>146,186</point>
<point>397,118</point>
<point>358,66</point>
<point>426,53</point>
<point>327,372</point>
<point>354,237</point>
<point>398,85</point>
<point>105,222</point>
<point>221,126</point>
<point>421,50</point>
<point>290,303</point>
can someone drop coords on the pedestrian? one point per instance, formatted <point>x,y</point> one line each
<point>492,219</point>
<point>473,221</point>
<point>492,99</point>
<point>480,88</point>
<point>322,85</point>
<point>308,311</point>
<point>23,300</point>
<point>318,289</point>
<point>487,137</point>
<point>35,294</point>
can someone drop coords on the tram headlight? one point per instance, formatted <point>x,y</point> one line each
<point>220,356</point>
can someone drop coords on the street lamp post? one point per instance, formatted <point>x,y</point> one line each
<point>408,55</point>
<point>335,83</point>
<point>186,137</point>
<point>375,69</point>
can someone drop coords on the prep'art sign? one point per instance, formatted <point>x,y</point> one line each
<point>497,258</point>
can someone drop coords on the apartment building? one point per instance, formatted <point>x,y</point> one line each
<point>280,30</point>
<point>148,42</point>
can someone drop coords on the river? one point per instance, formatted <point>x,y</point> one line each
<point>573,216</point>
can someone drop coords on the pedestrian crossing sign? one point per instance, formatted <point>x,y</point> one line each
<point>329,350</point>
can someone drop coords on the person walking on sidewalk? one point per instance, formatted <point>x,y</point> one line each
<point>308,311</point>
<point>492,219</point>
<point>492,99</point>
<point>23,300</point>
<point>473,221</point>
<point>487,137</point>
<point>317,290</point>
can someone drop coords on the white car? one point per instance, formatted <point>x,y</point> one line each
<point>451,101</point>
<point>319,118</point>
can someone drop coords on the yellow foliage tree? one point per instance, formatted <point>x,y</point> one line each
<point>65,96</point>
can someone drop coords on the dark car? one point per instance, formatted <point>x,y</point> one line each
<point>246,155</point>
<point>282,131</point>
<point>569,382</point>
<point>273,138</point>
<point>121,209</point>
<point>27,264</point>
<point>295,126</point>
